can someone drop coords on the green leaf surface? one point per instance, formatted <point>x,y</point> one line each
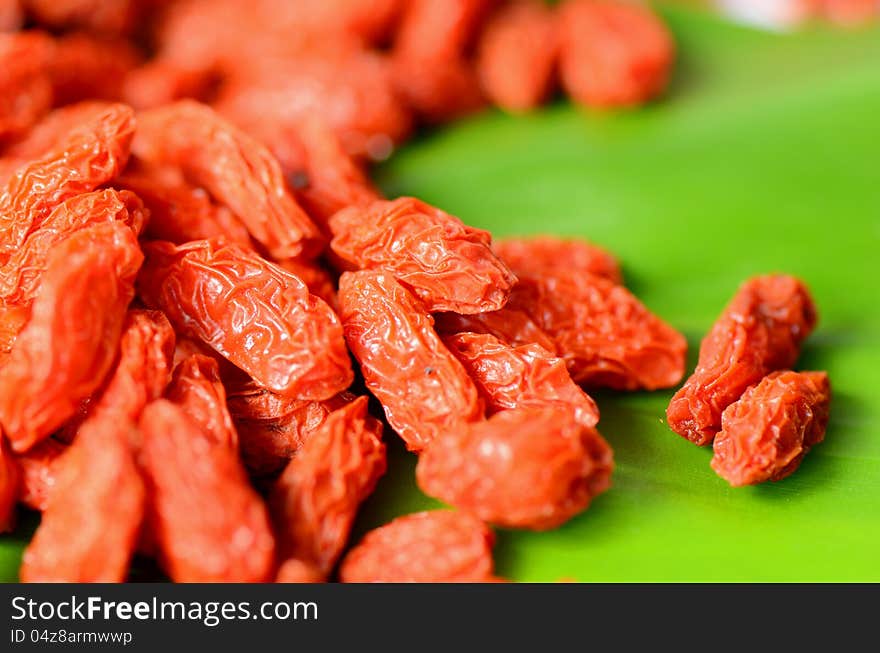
<point>764,157</point>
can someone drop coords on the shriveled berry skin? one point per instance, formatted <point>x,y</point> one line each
<point>759,331</point>
<point>236,169</point>
<point>512,326</point>
<point>319,280</point>
<point>21,274</point>
<point>607,337</point>
<point>11,486</point>
<point>517,55</point>
<point>196,387</point>
<point>520,377</point>
<point>39,472</point>
<point>208,523</point>
<point>261,318</point>
<point>316,498</point>
<point>423,388</point>
<point>549,254</point>
<point>90,526</point>
<point>767,432</point>
<point>613,53</point>
<point>90,155</point>
<point>447,265</point>
<point>272,427</point>
<point>59,358</point>
<point>437,546</point>
<point>532,468</point>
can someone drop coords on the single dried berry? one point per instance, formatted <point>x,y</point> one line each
<point>512,326</point>
<point>273,427</point>
<point>60,358</point>
<point>88,157</point>
<point>179,211</point>
<point>767,432</point>
<point>316,498</point>
<point>25,84</point>
<point>613,53</point>
<point>607,337</point>
<point>517,55</point>
<point>40,467</point>
<point>90,526</point>
<point>760,331</point>
<point>237,170</point>
<point>208,523</point>
<point>261,318</point>
<point>10,486</point>
<point>437,546</point>
<point>196,387</point>
<point>89,67</point>
<point>20,275</point>
<point>532,468</point>
<point>527,376</point>
<point>448,265</point>
<point>423,388</point>
<point>549,254</point>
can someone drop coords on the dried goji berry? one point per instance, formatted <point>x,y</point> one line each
<point>39,472</point>
<point>59,358</point>
<point>25,85</point>
<point>51,131</point>
<point>446,264</point>
<point>315,500</point>
<point>613,53</point>
<point>179,211</point>
<point>520,377</point>
<point>318,279</point>
<point>233,167</point>
<point>606,336</point>
<point>509,325</point>
<point>112,17</point>
<point>261,318</point>
<point>767,432</point>
<point>517,55</point>
<point>273,427</point>
<point>89,156</point>
<point>549,254</point>
<point>522,468</point>
<point>423,388</point>
<point>196,387</point>
<point>437,546</point>
<point>10,486</point>
<point>759,331</point>
<point>97,479</point>
<point>20,275</point>
<point>210,525</point>
<point>88,67</point>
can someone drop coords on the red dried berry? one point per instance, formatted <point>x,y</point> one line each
<point>549,254</point>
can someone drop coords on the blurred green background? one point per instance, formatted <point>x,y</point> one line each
<point>765,156</point>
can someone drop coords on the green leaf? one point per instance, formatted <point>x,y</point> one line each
<point>765,156</point>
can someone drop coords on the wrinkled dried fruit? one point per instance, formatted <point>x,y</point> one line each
<point>517,55</point>
<point>10,486</point>
<point>59,358</point>
<point>318,279</point>
<point>549,254</point>
<point>20,276</point>
<point>521,468</point>
<point>233,167</point>
<point>448,265</point>
<point>437,546</point>
<point>527,376</point>
<point>55,127</point>
<point>607,337</point>
<point>760,331</point>
<point>39,472</point>
<point>613,53</point>
<point>209,524</point>
<point>511,326</point>
<point>196,387</point>
<point>261,318</point>
<point>89,156</point>
<point>767,432</point>
<point>315,500</point>
<point>97,479</point>
<point>423,388</point>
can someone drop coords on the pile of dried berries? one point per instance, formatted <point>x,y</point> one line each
<point>183,286</point>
